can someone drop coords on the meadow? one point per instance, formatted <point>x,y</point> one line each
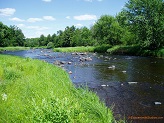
<point>35,91</point>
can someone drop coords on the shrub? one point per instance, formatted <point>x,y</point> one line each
<point>50,45</point>
<point>102,48</point>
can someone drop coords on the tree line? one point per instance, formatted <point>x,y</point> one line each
<point>11,36</point>
<point>139,23</point>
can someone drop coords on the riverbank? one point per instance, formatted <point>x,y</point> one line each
<point>35,91</point>
<point>116,50</point>
<point>13,48</point>
<point>74,49</point>
<point>136,51</point>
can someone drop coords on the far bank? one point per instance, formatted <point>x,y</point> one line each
<point>116,50</point>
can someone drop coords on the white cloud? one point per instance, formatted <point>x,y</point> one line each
<point>99,0</point>
<point>33,31</point>
<point>47,0</point>
<point>39,28</point>
<point>32,20</point>
<point>16,19</point>
<point>7,11</point>
<point>68,17</point>
<point>20,25</point>
<point>79,25</point>
<point>49,18</point>
<point>85,17</point>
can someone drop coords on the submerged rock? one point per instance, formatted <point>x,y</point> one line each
<point>62,62</point>
<point>112,67</point>
<point>157,103</point>
<point>82,59</point>
<point>132,82</point>
<point>69,62</point>
<point>124,71</point>
<point>104,85</point>
<point>57,62</point>
<point>70,72</point>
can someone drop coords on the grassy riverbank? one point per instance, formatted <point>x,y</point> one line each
<point>35,91</point>
<point>74,49</point>
<point>135,50</point>
<point>13,48</point>
<point>99,49</point>
<point>117,50</point>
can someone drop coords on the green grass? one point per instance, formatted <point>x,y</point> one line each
<point>35,91</point>
<point>75,49</point>
<point>99,49</point>
<point>102,48</point>
<point>135,50</point>
<point>13,48</point>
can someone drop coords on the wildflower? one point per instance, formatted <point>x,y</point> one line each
<point>4,96</point>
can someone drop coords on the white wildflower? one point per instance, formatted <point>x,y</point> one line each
<point>4,96</point>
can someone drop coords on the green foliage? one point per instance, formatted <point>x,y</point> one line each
<point>102,48</point>
<point>35,91</point>
<point>135,50</point>
<point>11,36</point>
<point>160,53</point>
<point>50,45</point>
<point>107,30</point>
<point>128,50</point>
<point>145,20</point>
<point>140,23</point>
<point>32,42</point>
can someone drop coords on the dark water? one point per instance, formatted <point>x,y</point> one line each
<point>132,86</point>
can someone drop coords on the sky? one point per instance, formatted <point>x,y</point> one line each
<point>36,17</point>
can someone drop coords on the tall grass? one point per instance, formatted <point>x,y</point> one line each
<point>99,49</point>
<point>75,49</point>
<point>135,50</point>
<point>13,48</point>
<point>35,91</point>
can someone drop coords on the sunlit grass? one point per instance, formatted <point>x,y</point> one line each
<point>35,91</point>
<point>75,49</point>
<point>13,48</point>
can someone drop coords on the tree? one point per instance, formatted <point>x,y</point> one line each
<point>4,34</point>
<point>145,18</point>
<point>59,39</point>
<point>42,41</point>
<point>11,36</point>
<point>86,37</point>
<point>48,39</point>
<point>31,42</point>
<point>68,36</point>
<point>127,37</point>
<point>107,30</point>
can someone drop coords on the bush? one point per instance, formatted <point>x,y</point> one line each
<point>102,48</point>
<point>50,45</point>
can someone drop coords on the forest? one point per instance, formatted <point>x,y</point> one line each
<point>140,23</point>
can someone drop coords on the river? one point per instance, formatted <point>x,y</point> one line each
<point>132,86</point>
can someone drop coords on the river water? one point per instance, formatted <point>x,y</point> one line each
<point>132,86</point>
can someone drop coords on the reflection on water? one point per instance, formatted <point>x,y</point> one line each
<point>134,85</point>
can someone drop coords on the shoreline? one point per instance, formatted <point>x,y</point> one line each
<point>39,88</point>
<point>115,50</point>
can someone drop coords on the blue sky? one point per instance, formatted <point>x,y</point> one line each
<point>36,17</point>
